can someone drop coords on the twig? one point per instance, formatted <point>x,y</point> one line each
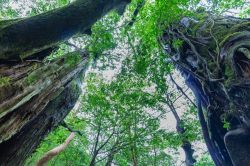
<point>65,125</point>
<point>181,90</point>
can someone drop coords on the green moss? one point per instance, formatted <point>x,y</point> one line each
<point>57,93</point>
<point>72,59</point>
<point>32,77</point>
<point>4,81</point>
<point>5,23</point>
<point>196,27</point>
<point>211,64</point>
<point>241,27</point>
<point>177,43</point>
<point>226,38</point>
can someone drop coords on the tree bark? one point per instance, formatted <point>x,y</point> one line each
<point>213,55</point>
<point>15,150</point>
<point>22,38</point>
<point>36,96</point>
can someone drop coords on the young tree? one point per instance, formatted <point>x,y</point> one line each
<point>121,131</point>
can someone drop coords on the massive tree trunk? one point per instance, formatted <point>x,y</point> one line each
<point>36,96</point>
<point>22,38</point>
<point>213,55</point>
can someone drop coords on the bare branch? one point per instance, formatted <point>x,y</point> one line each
<point>65,125</point>
<point>52,153</point>
<point>181,90</point>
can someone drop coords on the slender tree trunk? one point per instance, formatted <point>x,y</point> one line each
<point>186,145</point>
<point>95,148</point>
<point>34,96</point>
<point>92,163</point>
<point>213,54</point>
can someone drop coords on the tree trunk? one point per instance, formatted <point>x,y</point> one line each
<point>32,104</point>
<point>22,38</point>
<point>36,96</point>
<point>186,145</point>
<point>213,55</point>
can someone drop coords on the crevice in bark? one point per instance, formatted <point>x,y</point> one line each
<point>37,84</point>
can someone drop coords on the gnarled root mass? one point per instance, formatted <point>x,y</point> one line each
<point>213,54</point>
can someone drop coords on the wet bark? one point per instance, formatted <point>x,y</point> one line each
<point>36,96</point>
<point>213,55</point>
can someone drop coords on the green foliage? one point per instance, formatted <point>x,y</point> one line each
<point>226,124</point>
<point>128,108</point>
<point>74,154</point>
<point>224,5</point>
<point>12,8</point>
<point>32,77</point>
<point>102,38</point>
<point>191,124</point>
<point>119,107</point>
<point>63,2</point>
<point>205,160</point>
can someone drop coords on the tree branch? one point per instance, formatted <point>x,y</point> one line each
<point>65,125</point>
<point>181,90</point>
<point>52,153</point>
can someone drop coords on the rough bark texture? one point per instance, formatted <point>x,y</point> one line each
<point>36,96</point>
<point>33,105</point>
<point>31,87</point>
<point>213,53</point>
<point>15,150</point>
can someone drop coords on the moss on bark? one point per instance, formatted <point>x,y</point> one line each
<point>215,58</point>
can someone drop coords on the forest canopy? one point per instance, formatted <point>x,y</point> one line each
<point>118,75</point>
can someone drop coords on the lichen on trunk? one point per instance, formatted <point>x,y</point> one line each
<point>15,150</point>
